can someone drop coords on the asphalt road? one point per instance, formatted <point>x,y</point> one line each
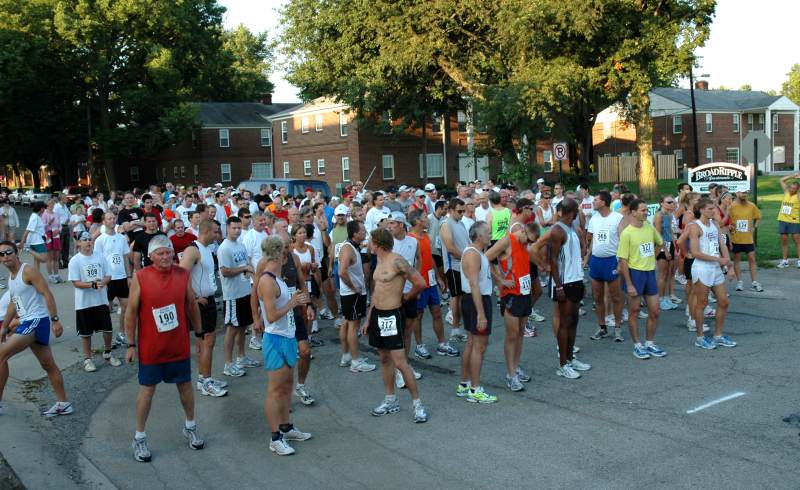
<point>626,423</point>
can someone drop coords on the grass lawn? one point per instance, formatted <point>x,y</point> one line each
<point>769,200</point>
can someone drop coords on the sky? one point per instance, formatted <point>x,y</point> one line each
<point>751,43</point>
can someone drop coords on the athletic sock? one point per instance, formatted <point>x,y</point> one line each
<point>190,424</point>
<point>649,343</point>
<point>139,435</point>
<point>391,398</point>
<point>285,428</point>
<point>416,402</point>
<point>276,436</point>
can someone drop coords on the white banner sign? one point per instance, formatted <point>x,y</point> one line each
<point>735,177</point>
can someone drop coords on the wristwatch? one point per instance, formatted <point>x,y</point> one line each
<point>54,318</point>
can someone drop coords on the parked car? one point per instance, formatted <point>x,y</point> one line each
<point>75,192</point>
<point>15,196</point>
<point>294,187</point>
<point>33,195</point>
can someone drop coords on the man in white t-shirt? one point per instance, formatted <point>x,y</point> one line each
<point>586,201</point>
<point>377,213</point>
<point>219,215</point>
<point>114,248</point>
<point>482,208</point>
<point>602,233</point>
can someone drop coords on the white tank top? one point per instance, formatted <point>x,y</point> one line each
<point>406,248</point>
<point>283,327</point>
<point>305,258</point>
<point>356,273</point>
<point>28,302</point>
<point>204,279</point>
<point>484,277</point>
<point>569,258</point>
<point>709,242</point>
<point>547,215</point>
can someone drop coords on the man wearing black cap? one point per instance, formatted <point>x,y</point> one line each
<point>391,200</point>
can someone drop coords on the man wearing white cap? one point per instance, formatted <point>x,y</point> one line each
<point>431,196</point>
<point>404,198</point>
<point>377,213</point>
<point>540,185</point>
<point>337,235</point>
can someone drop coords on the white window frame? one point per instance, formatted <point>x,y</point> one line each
<point>224,138</point>
<point>225,168</point>
<point>709,122</point>
<point>266,137</point>
<point>736,123</point>
<point>345,169</point>
<point>321,166</point>
<point>749,122</point>
<point>462,120</point>
<point>344,126</point>
<point>270,170</point>
<point>738,155</point>
<point>306,167</point>
<point>547,161</point>
<point>318,123</point>
<point>390,160</point>
<point>134,174</point>
<point>196,172</point>
<point>606,130</point>
<point>436,128</point>
<point>761,121</point>
<point>176,172</point>
<point>440,161</point>
<point>284,132</point>
<point>678,157</point>
<point>183,171</point>
<point>709,155</point>
<point>304,122</point>
<point>774,123</point>
<point>677,128</point>
<point>286,169</point>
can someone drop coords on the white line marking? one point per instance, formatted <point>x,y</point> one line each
<point>716,402</point>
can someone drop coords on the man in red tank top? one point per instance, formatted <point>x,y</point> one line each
<point>160,307</point>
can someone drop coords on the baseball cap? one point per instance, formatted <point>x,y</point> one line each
<point>84,236</point>
<point>420,193</point>
<point>158,241</point>
<point>402,188</point>
<point>392,189</point>
<point>540,181</point>
<point>398,216</point>
<point>309,189</point>
<point>341,209</point>
<point>430,187</point>
<point>276,193</point>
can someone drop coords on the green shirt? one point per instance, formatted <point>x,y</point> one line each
<point>637,246</point>
<point>500,221</point>
<point>338,236</point>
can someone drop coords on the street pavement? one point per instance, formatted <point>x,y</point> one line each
<point>625,423</point>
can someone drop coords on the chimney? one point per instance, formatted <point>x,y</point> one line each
<point>701,85</point>
<point>266,99</point>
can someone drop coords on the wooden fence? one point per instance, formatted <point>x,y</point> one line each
<point>626,169</point>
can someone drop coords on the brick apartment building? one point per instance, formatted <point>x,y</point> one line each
<point>724,120</point>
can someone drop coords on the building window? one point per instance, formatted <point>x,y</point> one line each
<point>547,158</point>
<point>225,172</point>
<point>318,123</point>
<point>304,124</point>
<point>709,123</point>
<point>134,174</point>
<point>435,166</point>
<point>709,155</point>
<point>677,124</point>
<point>749,122</point>
<point>285,169</point>
<point>761,122</point>
<point>321,166</point>
<point>183,171</point>
<point>176,172</point>
<point>284,131</point>
<point>342,124</point>
<point>679,157</point>
<point>345,169</point>
<point>306,167</point>
<point>436,123</point>
<point>736,123</point>
<point>388,167</point>
<point>261,171</point>
<point>774,123</point>
<point>732,155</point>
<point>462,122</point>
<point>266,137</point>
<point>224,138</point>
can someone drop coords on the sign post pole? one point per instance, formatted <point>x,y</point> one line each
<point>560,153</point>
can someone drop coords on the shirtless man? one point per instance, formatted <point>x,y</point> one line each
<point>385,321</point>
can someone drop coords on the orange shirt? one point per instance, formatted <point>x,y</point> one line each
<point>426,266</point>
<point>516,268</point>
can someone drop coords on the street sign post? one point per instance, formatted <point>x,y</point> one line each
<point>561,153</point>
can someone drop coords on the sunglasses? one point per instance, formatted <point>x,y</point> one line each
<point>5,253</point>
<point>459,211</point>
<point>669,202</point>
<point>245,216</point>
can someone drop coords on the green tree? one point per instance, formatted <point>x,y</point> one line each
<point>746,87</point>
<point>791,87</point>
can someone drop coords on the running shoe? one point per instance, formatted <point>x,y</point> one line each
<point>420,414</point>
<point>88,366</point>
<point>60,408</point>
<point>566,371</point>
<point>798,264</point>
<point>446,349</point>
<point>522,376</point>
<point>111,360</point>
<point>280,447</point>
<point>601,333</point>
<point>233,370</point>
<point>575,349</point>
<point>757,287</point>
<point>422,352</point>
<point>294,434</point>
<point>655,350</point>
<point>618,335</point>
<point>208,388</point>
<point>386,407</point>
<point>449,317</point>
<point>530,330</point>
<point>578,365</point>
<point>219,382</point>
<point>247,362</point>
<point>681,279</point>
<point>785,263</point>
<point>119,339</point>
<point>513,383</point>
<point>315,326</point>
<point>666,304</point>
<point>325,314</point>
<point>462,390</point>
<point>643,314</point>
<point>417,374</point>
<point>709,312</point>
<point>625,315</point>
<point>345,360</point>
<point>315,342</point>
<point>399,382</point>
<point>140,451</point>
<point>640,352</point>
<point>582,311</point>
<point>675,299</point>
<point>740,285</point>
<point>724,341</point>
<point>339,322</point>
<point>480,396</point>
<point>361,366</point>
<point>611,321</point>
<point>195,441</point>
<point>705,343</point>
<point>536,316</point>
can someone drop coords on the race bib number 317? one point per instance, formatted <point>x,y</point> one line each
<point>387,325</point>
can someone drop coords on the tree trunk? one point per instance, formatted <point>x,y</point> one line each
<point>424,151</point>
<point>108,162</point>
<point>640,103</point>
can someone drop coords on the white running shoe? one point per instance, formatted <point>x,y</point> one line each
<point>233,370</point>
<point>280,447</point>
<point>567,372</point>
<point>610,321</point>
<point>643,314</point>
<point>113,361</point>
<point>578,365</point>
<point>361,366</point>
<point>624,314</point>
<point>785,263</point>
<point>345,360</point>
<point>296,434</point>
<point>208,388</point>
<point>247,362</point>
<point>255,343</point>
<point>740,285</point>
<point>536,316</point>
<point>675,299</point>
<point>88,366</point>
<point>449,317</point>
<point>757,287</point>
<point>60,408</point>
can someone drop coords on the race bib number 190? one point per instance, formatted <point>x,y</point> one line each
<point>387,325</point>
<point>646,249</point>
<point>166,318</point>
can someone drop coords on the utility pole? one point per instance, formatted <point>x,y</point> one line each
<point>694,119</point>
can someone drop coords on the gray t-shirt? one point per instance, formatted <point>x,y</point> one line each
<point>393,205</point>
<point>233,255</point>
<point>460,237</point>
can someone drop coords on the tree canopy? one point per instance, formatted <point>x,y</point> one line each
<point>791,87</point>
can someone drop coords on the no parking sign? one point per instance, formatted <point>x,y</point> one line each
<point>560,151</point>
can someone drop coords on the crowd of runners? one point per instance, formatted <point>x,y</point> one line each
<point>176,262</point>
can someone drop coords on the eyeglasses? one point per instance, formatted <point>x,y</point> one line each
<point>459,211</point>
<point>5,253</point>
<point>245,216</point>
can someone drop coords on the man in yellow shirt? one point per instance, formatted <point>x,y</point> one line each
<point>789,219</point>
<point>744,220</point>
<point>636,253</point>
